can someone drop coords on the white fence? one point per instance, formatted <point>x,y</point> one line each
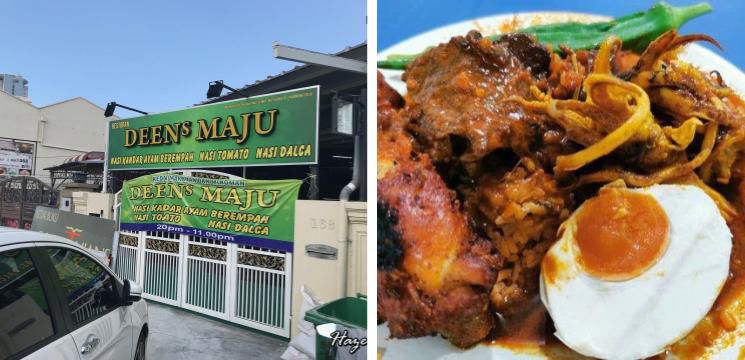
<point>237,283</point>
<point>241,284</point>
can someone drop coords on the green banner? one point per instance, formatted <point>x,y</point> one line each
<point>273,129</point>
<point>251,212</point>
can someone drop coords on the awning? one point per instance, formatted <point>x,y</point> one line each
<point>79,162</point>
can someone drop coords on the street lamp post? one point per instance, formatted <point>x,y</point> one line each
<point>215,89</point>
<point>109,112</point>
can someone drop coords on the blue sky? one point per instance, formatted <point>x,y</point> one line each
<point>160,55</point>
<point>400,20</point>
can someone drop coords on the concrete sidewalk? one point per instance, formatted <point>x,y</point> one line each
<point>176,334</point>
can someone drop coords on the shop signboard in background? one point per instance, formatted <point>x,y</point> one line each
<point>251,212</point>
<point>16,157</point>
<point>272,129</point>
<point>93,233</point>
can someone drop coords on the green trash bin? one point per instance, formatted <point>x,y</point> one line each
<point>350,312</point>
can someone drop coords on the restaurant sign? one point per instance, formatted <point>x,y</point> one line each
<point>251,212</point>
<point>273,129</point>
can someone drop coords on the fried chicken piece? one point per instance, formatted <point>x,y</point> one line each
<point>461,314</point>
<point>458,89</point>
<point>442,279</point>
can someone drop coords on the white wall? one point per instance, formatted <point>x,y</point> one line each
<point>357,248</point>
<point>317,222</point>
<point>75,124</point>
<point>18,119</point>
<point>60,130</point>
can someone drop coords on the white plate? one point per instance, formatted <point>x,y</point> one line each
<point>435,347</point>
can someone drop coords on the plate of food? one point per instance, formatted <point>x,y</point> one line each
<point>562,186</point>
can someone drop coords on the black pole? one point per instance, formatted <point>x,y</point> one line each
<point>110,107</point>
<point>131,109</point>
<point>234,90</point>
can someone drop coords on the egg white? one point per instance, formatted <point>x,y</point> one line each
<point>639,317</point>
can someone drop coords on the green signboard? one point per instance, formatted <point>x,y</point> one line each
<point>273,129</point>
<point>251,212</point>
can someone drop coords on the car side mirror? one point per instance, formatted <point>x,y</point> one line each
<point>130,293</point>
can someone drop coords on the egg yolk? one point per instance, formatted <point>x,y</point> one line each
<point>621,234</point>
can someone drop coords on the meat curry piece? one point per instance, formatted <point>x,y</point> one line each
<point>388,98</point>
<point>457,91</point>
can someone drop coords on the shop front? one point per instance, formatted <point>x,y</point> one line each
<point>211,241</point>
<point>331,213</point>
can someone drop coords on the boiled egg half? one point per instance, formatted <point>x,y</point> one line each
<point>634,270</point>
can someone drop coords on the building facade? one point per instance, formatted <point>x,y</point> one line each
<point>34,138</point>
<point>14,85</point>
<point>336,151</point>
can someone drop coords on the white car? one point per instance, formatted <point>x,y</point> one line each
<point>57,301</point>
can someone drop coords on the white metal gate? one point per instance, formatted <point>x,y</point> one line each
<point>127,256</point>
<point>206,277</point>
<point>242,284</point>
<point>263,288</point>
<point>161,266</point>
